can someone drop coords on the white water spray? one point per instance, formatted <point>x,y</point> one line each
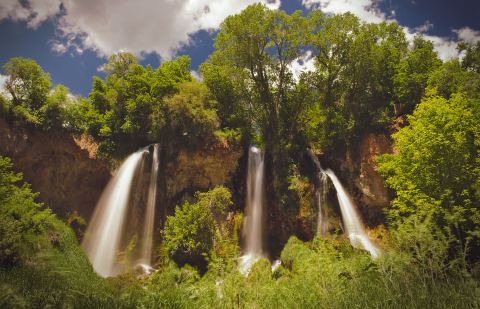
<point>253,219</point>
<point>147,240</point>
<point>103,235</point>
<point>351,220</point>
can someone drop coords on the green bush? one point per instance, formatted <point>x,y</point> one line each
<point>189,235</point>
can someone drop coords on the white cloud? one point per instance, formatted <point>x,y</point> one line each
<point>366,10</point>
<point>42,10</point>
<point>304,63</point>
<point>107,26</point>
<point>424,28</point>
<point>3,79</point>
<point>14,10</point>
<point>196,75</point>
<point>445,47</point>
<point>33,12</point>
<point>147,26</point>
<point>164,26</point>
<point>468,35</point>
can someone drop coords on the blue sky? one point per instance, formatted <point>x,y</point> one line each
<point>71,39</point>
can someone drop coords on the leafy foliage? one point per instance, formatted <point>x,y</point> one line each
<point>22,221</point>
<point>436,170</point>
<point>412,73</point>
<point>190,235</point>
<point>137,105</point>
<point>190,116</point>
<point>41,263</point>
<point>471,61</point>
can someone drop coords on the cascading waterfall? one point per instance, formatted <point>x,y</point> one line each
<point>351,220</point>
<point>147,240</point>
<point>253,219</point>
<point>321,196</point>
<point>103,235</point>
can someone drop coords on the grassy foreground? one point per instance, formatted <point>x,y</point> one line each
<point>325,273</point>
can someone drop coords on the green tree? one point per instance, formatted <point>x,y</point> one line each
<point>21,219</point>
<point>53,112</point>
<point>412,74</point>
<point>28,86</point>
<point>189,235</point>
<point>123,103</point>
<point>355,63</point>
<point>435,171</point>
<point>452,78</point>
<point>471,60</point>
<point>258,46</point>
<point>185,118</point>
<point>229,87</point>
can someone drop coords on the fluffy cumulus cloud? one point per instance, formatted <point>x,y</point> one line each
<point>368,11</point>
<point>468,35</point>
<point>107,26</point>
<point>14,10</point>
<point>34,12</point>
<point>304,63</point>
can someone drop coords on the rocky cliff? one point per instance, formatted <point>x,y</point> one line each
<point>61,167</point>
<point>211,166</point>
<point>358,171</point>
<point>70,178</point>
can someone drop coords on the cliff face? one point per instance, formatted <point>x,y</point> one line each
<point>202,169</point>
<point>358,170</point>
<point>62,168</point>
<point>375,194</point>
<point>70,178</point>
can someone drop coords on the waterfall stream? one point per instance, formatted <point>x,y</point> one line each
<point>321,189</point>
<point>321,196</point>
<point>103,235</point>
<point>147,240</point>
<point>254,211</point>
<point>351,220</point>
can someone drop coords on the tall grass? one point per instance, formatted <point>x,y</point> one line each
<point>324,273</point>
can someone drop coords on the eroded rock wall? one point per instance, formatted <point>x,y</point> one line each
<point>63,169</point>
<point>202,169</point>
<point>357,170</point>
<point>70,178</point>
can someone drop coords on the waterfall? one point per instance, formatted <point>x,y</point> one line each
<point>321,196</point>
<point>351,220</point>
<point>103,235</point>
<point>147,240</point>
<point>253,219</point>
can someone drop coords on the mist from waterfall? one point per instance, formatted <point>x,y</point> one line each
<point>254,212</point>
<point>351,219</point>
<point>147,239</point>
<point>104,232</point>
